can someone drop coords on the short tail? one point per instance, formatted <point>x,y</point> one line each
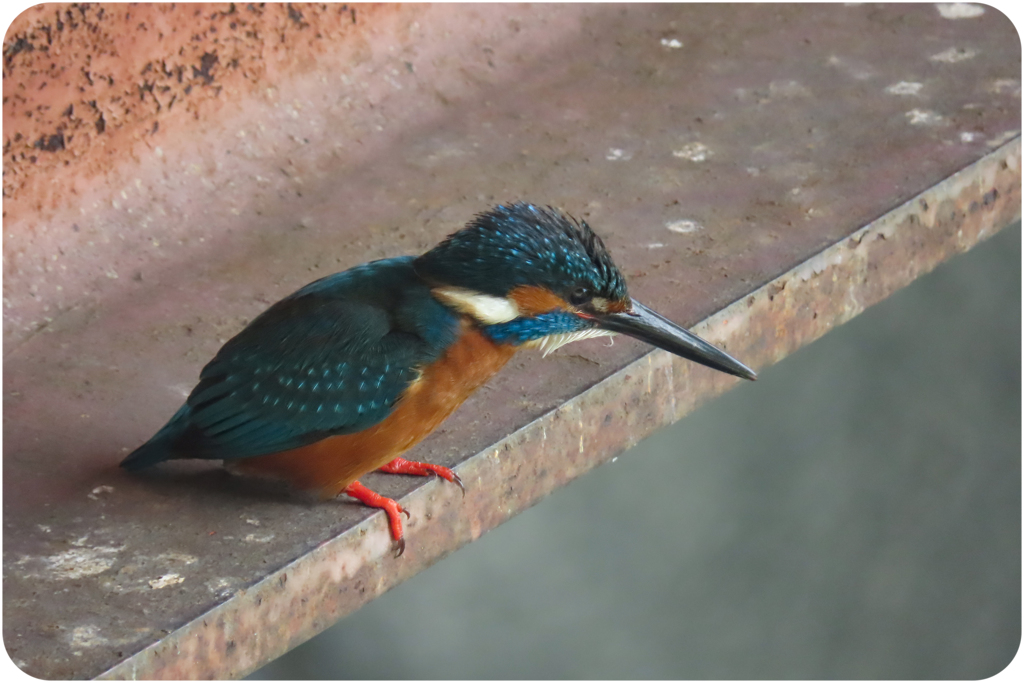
<point>161,447</point>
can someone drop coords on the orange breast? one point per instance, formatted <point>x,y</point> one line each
<point>333,463</point>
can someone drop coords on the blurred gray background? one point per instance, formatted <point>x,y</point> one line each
<point>854,514</point>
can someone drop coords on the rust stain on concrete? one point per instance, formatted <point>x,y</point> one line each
<point>84,82</point>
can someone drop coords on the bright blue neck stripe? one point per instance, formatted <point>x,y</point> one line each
<point>522,330</point>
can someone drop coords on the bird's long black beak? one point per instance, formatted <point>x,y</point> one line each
<point>644,324</point>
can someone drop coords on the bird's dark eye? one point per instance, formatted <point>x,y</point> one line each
<point>579,295</point>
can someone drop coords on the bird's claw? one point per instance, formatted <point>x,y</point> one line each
<point>423,469</point>
<point>457,480</point>
<point>390,507</point>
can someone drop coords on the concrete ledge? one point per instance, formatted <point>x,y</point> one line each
<point>300,600</point>
<point>771,170</point>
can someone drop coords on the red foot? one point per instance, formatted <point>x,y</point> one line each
<point>391,507</point>
<point>422,469</point>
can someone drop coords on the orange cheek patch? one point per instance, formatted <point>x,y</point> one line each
<point>532,300</point>
<point>619,306</point>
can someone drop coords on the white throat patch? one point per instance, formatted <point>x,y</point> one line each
<point>487,309</point>
<point>554,341</point>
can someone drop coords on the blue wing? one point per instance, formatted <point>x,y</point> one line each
<point>332,358</point>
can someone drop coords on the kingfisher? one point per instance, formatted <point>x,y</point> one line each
<point>345,375</point>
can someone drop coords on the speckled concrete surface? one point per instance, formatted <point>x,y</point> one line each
<point>714,147</point>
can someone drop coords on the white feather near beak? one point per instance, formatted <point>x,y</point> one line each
<point>553,341</point>
<point>487,309</point>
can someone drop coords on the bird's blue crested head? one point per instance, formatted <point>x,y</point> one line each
<point>522,244</point>
<point>526,273</point>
